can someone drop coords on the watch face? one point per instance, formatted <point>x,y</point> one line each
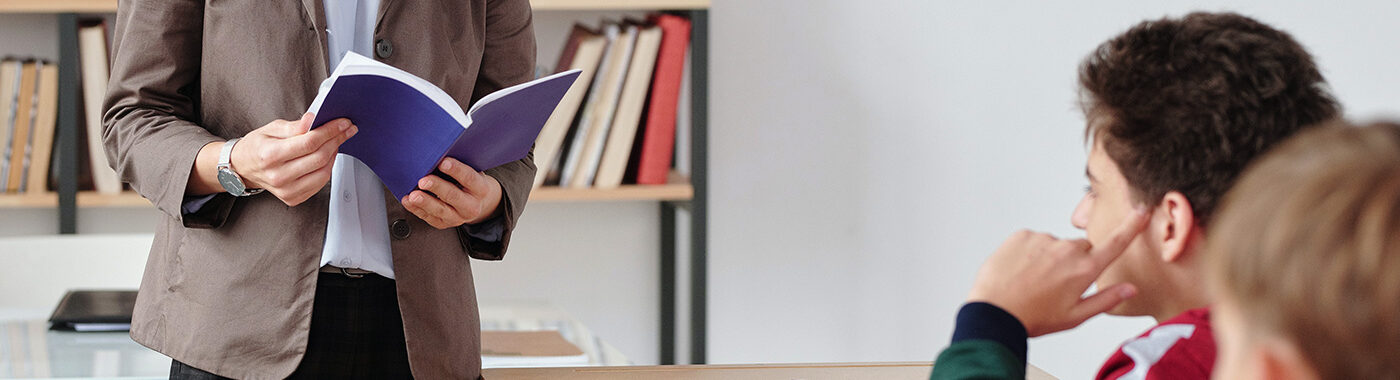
<point>230,181</point>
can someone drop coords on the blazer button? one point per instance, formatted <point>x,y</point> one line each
<point>400,229</point>
<point>383,48</point>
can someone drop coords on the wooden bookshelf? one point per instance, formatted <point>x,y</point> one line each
<point>110,6</point>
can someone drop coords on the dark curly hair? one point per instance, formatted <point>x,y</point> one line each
<point>1185,104</point>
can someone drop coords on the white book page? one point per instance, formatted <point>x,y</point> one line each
<point>355,64</point>
<point>512,89</point>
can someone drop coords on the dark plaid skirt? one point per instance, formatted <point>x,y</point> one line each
<point>356,333</point>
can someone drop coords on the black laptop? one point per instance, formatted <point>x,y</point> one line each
<point>94,310</point>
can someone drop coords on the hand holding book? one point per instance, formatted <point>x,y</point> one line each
<point>469,197</point>
<point>288,158</point>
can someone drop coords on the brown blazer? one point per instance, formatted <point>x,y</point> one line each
<point>229,290</point>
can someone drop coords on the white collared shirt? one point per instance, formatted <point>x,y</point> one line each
<point>357,232</point>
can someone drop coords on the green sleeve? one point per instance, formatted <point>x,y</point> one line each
<point>978,359</point>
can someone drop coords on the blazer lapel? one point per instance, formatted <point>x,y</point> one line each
<point>316,11</point>
<point>383,7</point>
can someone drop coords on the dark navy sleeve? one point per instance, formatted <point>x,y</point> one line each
<point>984,321</point>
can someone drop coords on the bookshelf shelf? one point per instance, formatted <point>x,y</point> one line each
<point>41,200</point>
<point>110,6</point>
<point>58,6</point>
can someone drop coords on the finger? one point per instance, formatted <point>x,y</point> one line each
<point>1079,245</point>
<point>1102,301</point>
<point>337,130</point>
<point>433,207</point>
<point>449,193</point>
<point>464,174</point>
<point>418,211</point>
<point>296,168</point>
<point>287,128</point>
<point>432,219</point>
<point>1118,242</point>
<point>312,182</point>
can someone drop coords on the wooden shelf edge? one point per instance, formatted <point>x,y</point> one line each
<point>58,6</point>
<point>604,5</point>
<point>110,6</point>
<point>668,192</point>
<point>27,200</point>
<point>125,199</point>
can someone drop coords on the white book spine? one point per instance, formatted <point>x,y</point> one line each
<point>7,125</point>
<point>593,148</point>
<point>92,42</point>
<point>571,162</point>
<point>613,164</point>
<point>25,156</point>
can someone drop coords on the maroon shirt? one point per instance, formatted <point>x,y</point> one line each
<point>1180,348</point>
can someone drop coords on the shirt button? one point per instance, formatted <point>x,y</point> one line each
<point>345,195</point>
<point>383,48</point>
<point>400,229</point>
<point>345,263</point>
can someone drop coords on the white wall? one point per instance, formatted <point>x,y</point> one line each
<point>868,155</point>
<point>865,158</point>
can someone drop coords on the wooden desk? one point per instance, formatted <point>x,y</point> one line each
<point>845,371</point>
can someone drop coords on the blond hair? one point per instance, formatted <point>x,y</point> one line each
<point>1308,248</point>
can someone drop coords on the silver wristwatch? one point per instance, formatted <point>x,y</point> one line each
<point>229,179</point>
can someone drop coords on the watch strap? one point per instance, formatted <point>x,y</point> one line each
<point>226,152</point>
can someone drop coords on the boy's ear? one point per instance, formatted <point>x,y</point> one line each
<point>1179,228</point>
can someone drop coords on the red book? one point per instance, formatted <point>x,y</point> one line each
<point>659,134</point>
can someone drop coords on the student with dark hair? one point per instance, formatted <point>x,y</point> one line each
<point>1175,110</point>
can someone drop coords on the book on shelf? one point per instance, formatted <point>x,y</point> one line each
<point>601,116</point>
<point>652,160</point>
<point>9,91</point>
<point>43,131</point>
<point>28,109</point>
<point>617,147</point>
<point>682,156</point>
<point>602,98</point>
<point>515,349</point>
<point>23,123</point>
<point>407,125</point>
<point>583,51</point>
<point>93,57</point>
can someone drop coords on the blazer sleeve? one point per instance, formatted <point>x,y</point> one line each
<point>149,126</point>
<point>509,59</point>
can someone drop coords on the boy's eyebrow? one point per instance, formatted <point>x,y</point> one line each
<point>1089,174</point>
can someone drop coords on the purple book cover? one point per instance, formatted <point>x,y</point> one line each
<point>407,125</point>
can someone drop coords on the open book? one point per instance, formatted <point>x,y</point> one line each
<point>407,125</point>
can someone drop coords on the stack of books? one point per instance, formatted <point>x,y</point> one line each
<point>28,114</point>
<point>617,123</point>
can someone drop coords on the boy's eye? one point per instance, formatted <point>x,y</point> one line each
<point>1089,190</point>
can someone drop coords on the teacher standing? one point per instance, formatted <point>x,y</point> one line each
<point>274,256</point>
